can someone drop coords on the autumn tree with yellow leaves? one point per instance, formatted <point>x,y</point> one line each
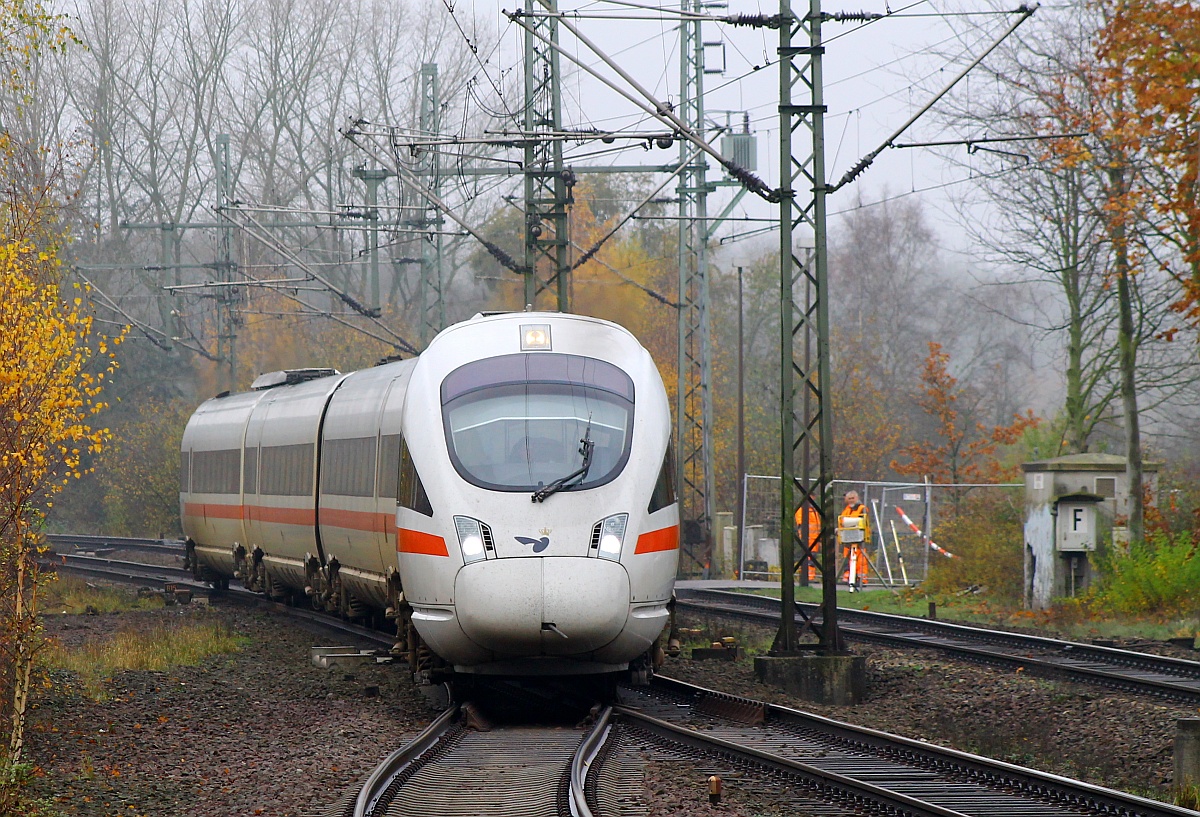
<point>52,369</point>
<point>47,395</point>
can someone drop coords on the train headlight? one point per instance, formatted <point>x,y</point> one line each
<point>535,336</point>
<point>612,535</point>
<point>470,538</point>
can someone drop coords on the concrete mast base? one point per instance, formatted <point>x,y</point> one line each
<point>840,680</point>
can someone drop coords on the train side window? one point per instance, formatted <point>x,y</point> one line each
<point>287,470</point>
<point>348,466</point>
<point>250,471</point>
<point>389,465</point>
<point>411,493</point>
<point>217,472</point>
<point>664,488</point>
<point>185,472</point>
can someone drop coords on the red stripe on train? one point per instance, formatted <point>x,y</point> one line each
<point>369,521</point>
<point>257,513</point>
<point>415,541</point>
<point>656,540</point>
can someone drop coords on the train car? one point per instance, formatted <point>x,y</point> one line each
<point>507,496</point>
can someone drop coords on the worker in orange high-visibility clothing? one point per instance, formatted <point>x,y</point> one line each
<point>814,537</point>
<point>854,532</point>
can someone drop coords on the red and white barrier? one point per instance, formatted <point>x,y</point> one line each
<point>920,533</point>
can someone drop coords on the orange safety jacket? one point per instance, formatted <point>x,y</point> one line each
<point>814,524</point>
<point>814,535</point>
<point>860,553</point>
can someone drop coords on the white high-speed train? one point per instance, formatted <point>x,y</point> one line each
<point>507,496</point>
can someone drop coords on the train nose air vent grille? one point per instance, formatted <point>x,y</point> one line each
<point>489,545</point>
<point>595,543</point>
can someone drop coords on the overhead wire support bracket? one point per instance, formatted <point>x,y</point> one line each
<point>252,225</point>
<point>853,173</point>
<point>650,104</point>
<point>746,20</point>
<point>973,144</point>
<point>409,178</point>
<point>976,145</point>
<point>352,133</point>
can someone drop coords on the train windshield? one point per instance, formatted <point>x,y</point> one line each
<point>514,423</point>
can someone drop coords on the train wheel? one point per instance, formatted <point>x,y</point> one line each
<point>641,669</point>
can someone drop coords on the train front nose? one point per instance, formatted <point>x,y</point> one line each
<point>559,606</point>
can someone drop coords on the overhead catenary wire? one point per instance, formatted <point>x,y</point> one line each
<point>587,254</point>
<point>254,229</point>
<point>1024,12</point>
<point>888,199</point>
<point>105,300</point>
<point>148,331</point>
<point>474,49</point>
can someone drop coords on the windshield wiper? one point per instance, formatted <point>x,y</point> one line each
<point>586,445</point>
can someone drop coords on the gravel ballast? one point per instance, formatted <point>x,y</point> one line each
<point>263,731</point>
<point>260,731</point>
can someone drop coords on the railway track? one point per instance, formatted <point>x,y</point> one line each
<point>458,767</point>
<point>1143,673</point>
<point>176,578</point>
<point>79,543</point>
<point>122,571</point>
<point>826,767</point>
<point>799,763</point>
<point>1160,676</point>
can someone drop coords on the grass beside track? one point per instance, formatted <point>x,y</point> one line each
<point>159,648</point>
<point>71,595</point>
<point>187,641</point>
<point>973,609</point>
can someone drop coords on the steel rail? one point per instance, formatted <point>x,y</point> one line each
<point>982,784</point>
<point>90,542</point>
<point>581,762</point>
<point>822,780</point>
<point>512,770</point>
<point>122,571</point>
<point>1160,676</point>
<point>403,759</point>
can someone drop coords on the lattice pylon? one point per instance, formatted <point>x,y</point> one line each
<point>547,182</point>
<point>806,438</point>
<point>694,393</point>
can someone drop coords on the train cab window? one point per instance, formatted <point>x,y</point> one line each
<point>411,492</point>
<point>515,422</point>
<point>664,488</point>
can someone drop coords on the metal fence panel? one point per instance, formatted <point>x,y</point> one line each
<point>902,514</point>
